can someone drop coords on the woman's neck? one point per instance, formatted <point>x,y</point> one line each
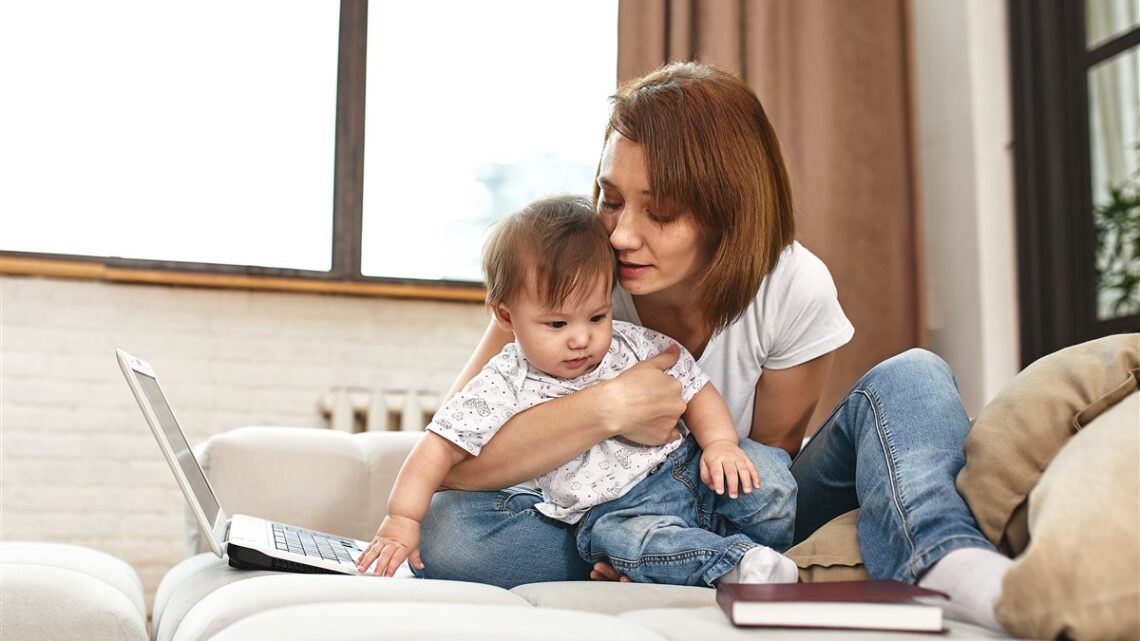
<point>678,319</point>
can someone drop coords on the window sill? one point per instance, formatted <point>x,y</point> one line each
<point>99,270</point>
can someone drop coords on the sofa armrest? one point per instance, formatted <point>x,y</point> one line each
<point>316,478</point>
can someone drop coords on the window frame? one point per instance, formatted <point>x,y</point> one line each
<point>1056,240</point>
<point>344,275</point>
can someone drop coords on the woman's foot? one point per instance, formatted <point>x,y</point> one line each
<point>972,577</point>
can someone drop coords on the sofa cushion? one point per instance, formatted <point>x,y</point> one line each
<point>49,602</point>
<point>428,621</point>
<point>187,583</point>
<point>111,570</point>
<point>612,597</point>
<point>1080,575</point>
<point>710,624</point>
<point>1020,431</point>
<point>241,599</point>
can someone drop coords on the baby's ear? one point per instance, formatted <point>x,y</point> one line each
<point>502,317</point>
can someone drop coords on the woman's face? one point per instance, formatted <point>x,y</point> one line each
<point>658,252</point>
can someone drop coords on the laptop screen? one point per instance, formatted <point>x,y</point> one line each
<point>182,452</point>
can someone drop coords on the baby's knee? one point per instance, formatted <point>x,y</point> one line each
<point>774,466</point>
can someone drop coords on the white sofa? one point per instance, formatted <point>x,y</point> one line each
<point>1050,475</point>
<point>339,482</point>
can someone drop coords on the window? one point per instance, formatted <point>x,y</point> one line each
<point>215,136</point>
<point>1076,95</point>
<point>198,132</point>
<point>467,124</point>
<point>1114,148</point>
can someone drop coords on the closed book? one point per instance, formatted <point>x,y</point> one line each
<point>867,605</point>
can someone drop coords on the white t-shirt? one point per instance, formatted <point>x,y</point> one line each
<point>509,384</point>
<point>794,318</point>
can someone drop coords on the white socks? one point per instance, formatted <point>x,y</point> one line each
<point>972,577</point>
<point>762,565</point>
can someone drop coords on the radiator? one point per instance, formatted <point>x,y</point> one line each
<point>354,409</point>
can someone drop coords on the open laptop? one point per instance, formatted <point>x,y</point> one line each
<point>252,543</point>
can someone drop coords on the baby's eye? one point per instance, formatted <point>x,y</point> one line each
<point>556,324</point>
<point>598,318</point>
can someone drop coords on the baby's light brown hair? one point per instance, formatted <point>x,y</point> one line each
<point>556,245</point>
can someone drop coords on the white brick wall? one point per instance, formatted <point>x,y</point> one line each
<point>77,462</point>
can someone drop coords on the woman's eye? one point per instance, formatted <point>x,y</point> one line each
<point>598,318</point>
<point>605,205</point>
<point>661,219</point>
<point>556,324</point>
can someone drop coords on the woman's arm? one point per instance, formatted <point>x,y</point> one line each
<point>494,339</point>
<point>785,401</point>
<point>642,404</point>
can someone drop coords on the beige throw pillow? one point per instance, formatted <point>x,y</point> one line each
<point>831,553</point>
<point>1080,576</point>
<point>1019,432</point>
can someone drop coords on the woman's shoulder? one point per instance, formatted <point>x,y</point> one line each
<point>796,311</point>
<point>798,279</point>
<point>799,268</point>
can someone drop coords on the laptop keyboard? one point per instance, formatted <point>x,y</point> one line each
<point>314,544</point>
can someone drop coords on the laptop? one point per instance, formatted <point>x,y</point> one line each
<point>252,543</point>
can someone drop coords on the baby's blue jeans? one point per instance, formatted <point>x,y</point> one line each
<point>671,528</point>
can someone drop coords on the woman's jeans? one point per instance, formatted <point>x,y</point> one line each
<point>671,528</point>
<point>892,447</point>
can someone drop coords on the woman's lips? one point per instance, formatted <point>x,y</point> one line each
<point>631,270</point>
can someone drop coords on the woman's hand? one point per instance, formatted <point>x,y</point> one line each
<point>397,540</point>
<point>646,402</point>
<point>603,571</point>
<point>723,464</point>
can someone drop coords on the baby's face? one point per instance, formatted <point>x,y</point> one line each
<point>569,340</point>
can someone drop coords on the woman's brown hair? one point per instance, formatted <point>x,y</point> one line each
<point>710,150</point>
<point>558,242</point>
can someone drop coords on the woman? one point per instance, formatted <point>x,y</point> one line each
<point>693,190</point>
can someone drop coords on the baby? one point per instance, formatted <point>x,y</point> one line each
<point>658,514</point>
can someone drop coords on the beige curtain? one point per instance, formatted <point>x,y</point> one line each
<point>834,78</point>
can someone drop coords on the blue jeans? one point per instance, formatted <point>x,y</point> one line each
<point>893,447</point>
<point>671,528</point>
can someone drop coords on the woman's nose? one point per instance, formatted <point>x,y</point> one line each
<point>624,235</point>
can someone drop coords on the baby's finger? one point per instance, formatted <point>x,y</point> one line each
<point>398,558</point>
<point>382,560</point>
<point>746,470</point>
<point>717,472</point>
<point>755,475</point>
<point>706,478</point>
<point>733,478</point>
<point>366,558</point>
<point>416,562</point>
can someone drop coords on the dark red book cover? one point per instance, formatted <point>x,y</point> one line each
<point>878,604</point>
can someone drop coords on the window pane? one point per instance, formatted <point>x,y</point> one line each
<point>1106,19</point>
<point>473,110</point>
<point>194,131</point>
<point>1114,120</point>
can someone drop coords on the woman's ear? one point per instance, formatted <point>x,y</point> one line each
<point>502,317</point>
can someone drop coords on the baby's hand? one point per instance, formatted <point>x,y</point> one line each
<point>397,540</point>
<point>724,463</point>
